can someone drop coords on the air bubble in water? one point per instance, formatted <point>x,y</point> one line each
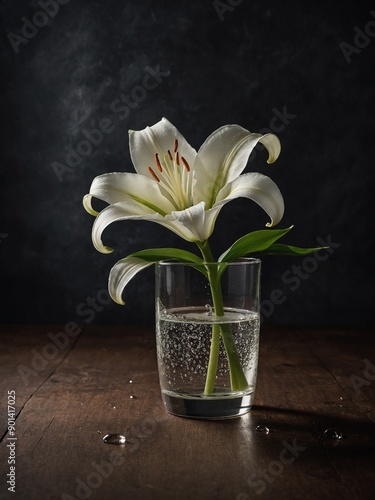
<point>209,310</point>
<point>114,439</point>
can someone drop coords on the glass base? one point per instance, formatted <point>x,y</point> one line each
<point>206,407</point>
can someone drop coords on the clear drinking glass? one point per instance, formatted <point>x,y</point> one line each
<point>207,336</point>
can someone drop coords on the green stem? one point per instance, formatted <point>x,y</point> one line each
<point>237,376</point>
<point>213,360</point>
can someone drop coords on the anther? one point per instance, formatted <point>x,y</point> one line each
<point>170,155</point>
<point>153,174</point>
<point>175,145</point>
<point>158,164</point>
<point>177,158</point>
<point>185,163</point>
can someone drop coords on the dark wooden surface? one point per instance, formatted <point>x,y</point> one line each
<point>309,381</point>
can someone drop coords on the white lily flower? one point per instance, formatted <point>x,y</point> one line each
<point>181,189</point>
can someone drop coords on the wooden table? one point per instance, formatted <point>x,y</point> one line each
<point>68,397</point>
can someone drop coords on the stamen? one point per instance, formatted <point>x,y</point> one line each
<point>158,164</point>
<point>175,145</point>
<point>185,163</point>
<point>153,174</point>
<point>170,155</point>
<point>177,158</point>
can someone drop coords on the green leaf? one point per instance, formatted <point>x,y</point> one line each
<point>255,242</point>
<point>158,254</point>
<point>280,249</point>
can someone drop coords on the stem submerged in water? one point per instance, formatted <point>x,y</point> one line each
<point>213,360</point>
<point>237,377</point>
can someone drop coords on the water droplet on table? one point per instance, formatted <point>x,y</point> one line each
<point>262,428</point>
<point>332,433</point>
<point>130,381</point>
<point>132,397</point>
<point>114,439</point>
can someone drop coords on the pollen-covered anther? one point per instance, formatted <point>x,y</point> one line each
<point>177,158</point>
<point>153,174</point>
<point>185,164</point>
<point>158,164</point>
<point>175,146</point>
<point>170,155</point>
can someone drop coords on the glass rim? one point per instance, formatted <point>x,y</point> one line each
<point>236,262</point>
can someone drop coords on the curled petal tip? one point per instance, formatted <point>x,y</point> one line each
<point>121,273</point>
<point>106,249</point>
<point>86,201</point>
<point>273,145</point>
<point>114,296</point>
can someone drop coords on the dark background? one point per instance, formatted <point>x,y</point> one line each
<point>237,64</point>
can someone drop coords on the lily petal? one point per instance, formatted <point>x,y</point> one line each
<point>194,219</point>
<point>256,187</point>
<point>121,273</point>
<point>133,210</point>
<point>224,155</point>
<point>157,139</point>
<point>124,187</point>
